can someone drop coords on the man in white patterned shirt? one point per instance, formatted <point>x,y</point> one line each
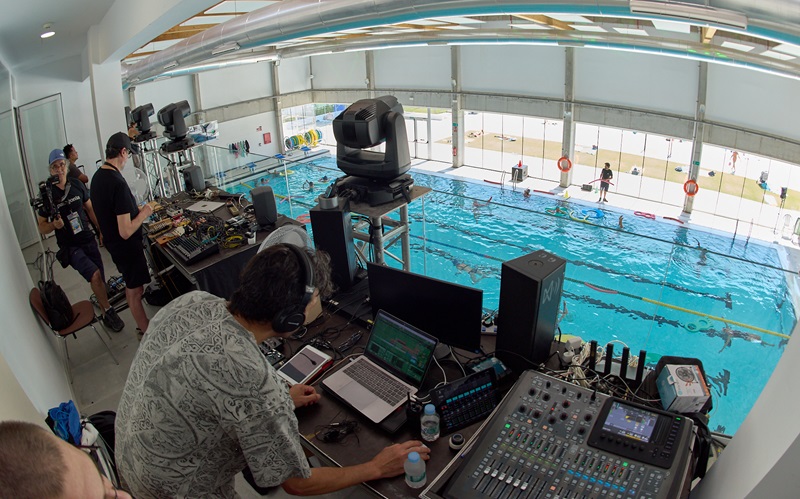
<point>201,401</point>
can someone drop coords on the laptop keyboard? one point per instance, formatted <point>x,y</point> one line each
<point>376,381</point>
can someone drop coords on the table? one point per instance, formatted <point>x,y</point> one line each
<point>377,218</point>
<point>371,439</point>
<point>219,273</point>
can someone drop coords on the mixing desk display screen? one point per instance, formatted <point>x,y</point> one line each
<point>631,422</point>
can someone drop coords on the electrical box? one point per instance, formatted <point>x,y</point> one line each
<point>682,388</point>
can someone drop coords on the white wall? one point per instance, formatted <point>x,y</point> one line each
<point>109,106</point>
<point>293,75</point>
<point>510,69</point>
<point>25,345</point>
<point>345,70</point>
<point>14,403</point>
<point>163,92</point>
<point>64,77</point>
<point>5,89</point>
<point>235,84</point>
<point>640,81</point>
<point>753,100</point>
<point>246,129</point>
<point>426,68</point>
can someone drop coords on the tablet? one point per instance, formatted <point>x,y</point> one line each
<point>305,365</point>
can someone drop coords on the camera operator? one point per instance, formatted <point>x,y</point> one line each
<point>69,217</point>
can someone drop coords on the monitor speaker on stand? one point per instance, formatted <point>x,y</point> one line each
<point>530,294</point>
<point>193,178</point>
<point>333,233</point>
<point>266,210</point>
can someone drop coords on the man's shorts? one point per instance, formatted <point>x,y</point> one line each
<point>86,260</point>
<point>131,263</point>
<point>604,186</point>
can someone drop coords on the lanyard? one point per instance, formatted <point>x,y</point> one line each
<point>112,166</point>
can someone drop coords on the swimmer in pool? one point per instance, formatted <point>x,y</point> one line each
<point>526,193</point>
<point>478,204</point>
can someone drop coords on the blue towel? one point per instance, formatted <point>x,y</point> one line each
<point>66,422</point>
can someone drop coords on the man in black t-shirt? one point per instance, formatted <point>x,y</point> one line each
<point>605,176</point>
<point>120,222</point>
<point>72,169</point>
<point>77,247</point>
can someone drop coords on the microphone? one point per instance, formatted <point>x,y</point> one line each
<point>313,362</point>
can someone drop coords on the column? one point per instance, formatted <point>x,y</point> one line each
<point>276,89</point>
<point>698,133</point>
<point>568,135</point>
<point>456,109</point>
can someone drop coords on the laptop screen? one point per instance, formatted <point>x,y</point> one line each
<point>400,348</point>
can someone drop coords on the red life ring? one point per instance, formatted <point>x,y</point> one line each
<point>644,214</point>
<point>304,218</point>
<point>690,191</point>
<point>564,164</point>
<point>674,219</point>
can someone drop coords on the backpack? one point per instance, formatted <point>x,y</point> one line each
<point>56,304</point>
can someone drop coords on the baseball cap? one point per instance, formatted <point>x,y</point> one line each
<point>55,155</point>
<point>119,141</point>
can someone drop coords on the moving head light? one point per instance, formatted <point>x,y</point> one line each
<point>172,118</point>
<point>141,116</point>
<point>368,123</point>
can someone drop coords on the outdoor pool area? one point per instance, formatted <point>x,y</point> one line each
<point>664,287</point>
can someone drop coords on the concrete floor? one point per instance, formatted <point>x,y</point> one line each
<point>97,380</point>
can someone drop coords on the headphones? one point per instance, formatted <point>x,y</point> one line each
<point>292,317</point>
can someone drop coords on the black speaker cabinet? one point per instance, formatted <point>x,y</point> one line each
<point>264,205</point>
<point>193,178</point>
<point>530,294</point>
<point>333,233</point>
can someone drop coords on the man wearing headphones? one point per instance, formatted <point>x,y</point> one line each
<point>202,403</point>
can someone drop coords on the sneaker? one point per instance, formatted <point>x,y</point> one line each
<point>112,320</point>
<point>139,334</point>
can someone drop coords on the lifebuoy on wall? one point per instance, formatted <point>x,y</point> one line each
<point>564,164</point>
<point>690,187</point>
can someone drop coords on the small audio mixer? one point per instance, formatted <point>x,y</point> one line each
<point>556,440</point>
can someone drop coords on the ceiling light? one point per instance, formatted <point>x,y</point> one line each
<point>225,48</point>
<point>690,12</point>
<point>737,46</point>
<point>170,65</point>
<point>47,30</point>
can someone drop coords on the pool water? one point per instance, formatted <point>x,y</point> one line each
<point>662,287</point>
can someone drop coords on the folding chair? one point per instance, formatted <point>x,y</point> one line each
<point>84,316</point>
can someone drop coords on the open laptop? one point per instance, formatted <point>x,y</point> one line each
<point>394,364</point>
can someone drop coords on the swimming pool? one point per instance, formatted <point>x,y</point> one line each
<point>665,288</point>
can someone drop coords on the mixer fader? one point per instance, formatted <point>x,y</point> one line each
<point>553,439</point>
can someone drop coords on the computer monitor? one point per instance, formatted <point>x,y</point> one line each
<point>450,312</point>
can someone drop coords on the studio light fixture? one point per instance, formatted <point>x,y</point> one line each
<point>225,48</point>
<point>47,30</point>
<point>689,12</point>
<point>171,64</point>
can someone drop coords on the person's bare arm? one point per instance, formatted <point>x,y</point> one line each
<point>128,226</point>
<point>388,463</point>
<point>46,227</point>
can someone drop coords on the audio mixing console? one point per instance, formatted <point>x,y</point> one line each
<point>557,440</point>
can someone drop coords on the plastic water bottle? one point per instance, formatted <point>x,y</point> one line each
<point>415,471</point>
<point>430,423</point>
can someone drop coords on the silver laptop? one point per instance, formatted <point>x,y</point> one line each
<point>205,206</point>
<point>393,366</point>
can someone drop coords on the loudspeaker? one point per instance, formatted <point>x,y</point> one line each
<point>586,187</point>
<point>193,178</point>
<point>264,205</point>
<point>333,233</point>
<point>530,294</point>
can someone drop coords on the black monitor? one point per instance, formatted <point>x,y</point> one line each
<point>450,312</point>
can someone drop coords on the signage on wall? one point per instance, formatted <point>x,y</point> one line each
<point>267,138</point>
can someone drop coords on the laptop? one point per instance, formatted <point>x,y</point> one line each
<point>394,365</point>
<point>205,206</point>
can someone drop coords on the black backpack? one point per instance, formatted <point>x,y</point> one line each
<point>56,304</point>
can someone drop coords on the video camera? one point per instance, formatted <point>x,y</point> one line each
<point>45,202</point>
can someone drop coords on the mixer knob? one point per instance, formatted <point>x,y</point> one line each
<point>588,417</point>
<point>546,397</point>
<point>581,430</point>
<point>551,419</point>
<point>547,384</point>
<point>565,403</point>
<point>563,416</point>
<point>522,409</point>
<point>537,413</point>
<point>532,392</point>
<point>563,390</point>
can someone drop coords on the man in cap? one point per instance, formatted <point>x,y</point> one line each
<point>76,245</point>
<point>120,220</point>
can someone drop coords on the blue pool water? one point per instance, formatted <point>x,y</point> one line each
<point>648,286</point>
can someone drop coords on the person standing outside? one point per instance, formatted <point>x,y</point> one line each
<point>76,245</point>
<point>120,222</point>
<point>72,169</point>
<point>605,175</point>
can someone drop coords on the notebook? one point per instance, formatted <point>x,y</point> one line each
<point>394,364</point>
<point>205,206</point>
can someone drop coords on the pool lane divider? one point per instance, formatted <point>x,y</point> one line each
<point>681,309</point>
